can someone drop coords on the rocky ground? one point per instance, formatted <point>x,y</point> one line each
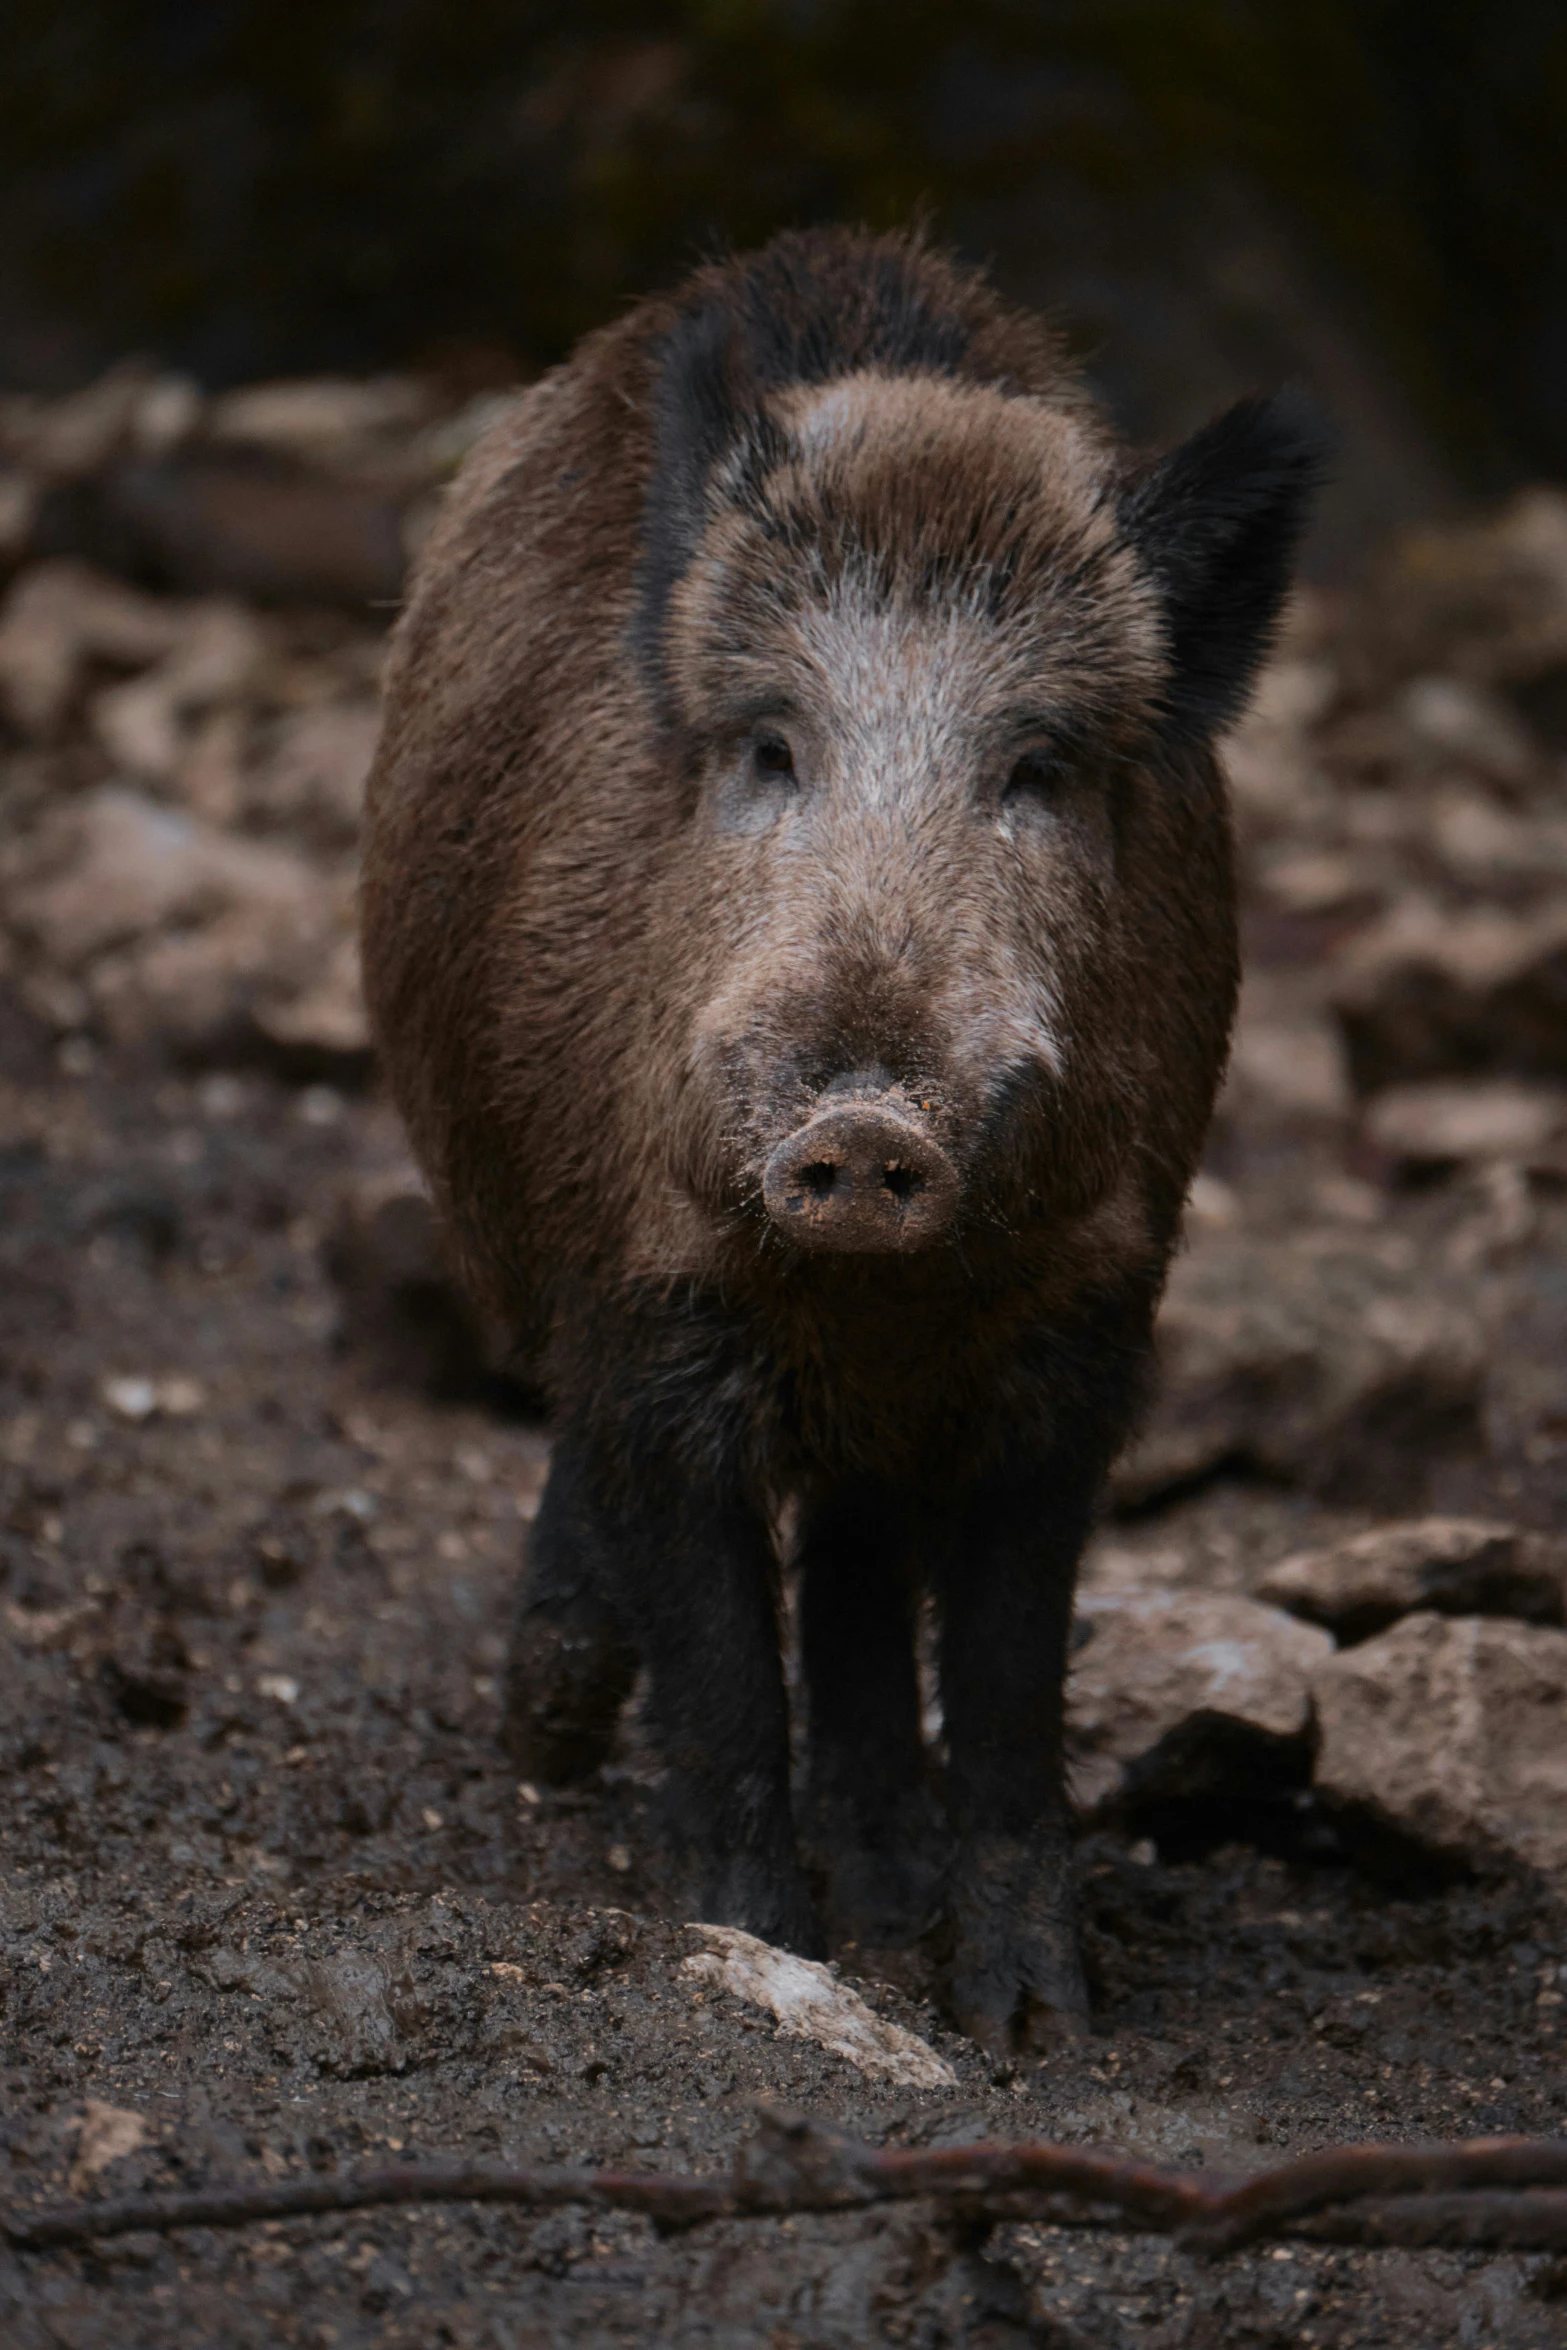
<point>273,1902</point>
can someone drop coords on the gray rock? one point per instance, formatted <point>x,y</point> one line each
<point>316,774</point>
<point>325,420</point>
<point>1170,1688</point>
<point>1457,1566</point>
<point>1326,1359</point>
<point>58,619</point>
<point>1427,992</point>
<point>1444,1121</point>
<point>1453,1733</point>
<point>180,930</point>
<point>143,725</point>
<point>1461,725</point>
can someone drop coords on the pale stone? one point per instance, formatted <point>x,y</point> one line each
<point>1452,1731</point>
<point>323,419</point>
<point>1458,1566</point>
<point>1165,1675</point>
<point>1294,1065</point>
<point>1442,1119</point>
<point>190,932</point>
<point>317,769</point>
<point>1484,843</point>
<point>810,2003</point>
<point>1461,722</point>
<point>131,1398</point>
<point>135,866</point>
<point>1317,881</point>
<point>60,616</point>
<point>145,726</point>
<point>106,2133</point>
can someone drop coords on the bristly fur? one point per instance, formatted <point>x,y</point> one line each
<point>799,687</point>
<point>806,310</point>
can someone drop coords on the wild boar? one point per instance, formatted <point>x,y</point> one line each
<point>799,928</point>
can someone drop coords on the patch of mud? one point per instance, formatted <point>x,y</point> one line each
<point>270,1887</point>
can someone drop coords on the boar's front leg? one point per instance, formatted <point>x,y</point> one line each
<point>1005,1583</point>
<point>688,1571</point>
<point>873,1824</point>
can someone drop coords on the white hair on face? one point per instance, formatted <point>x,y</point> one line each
<point>905,683</point>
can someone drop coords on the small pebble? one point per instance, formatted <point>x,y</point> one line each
<point>282,1686</point>
<point>352,1499</point>
<point>131,1399</point>
<point>1212,1201</point>
<point>221,1096</point>
<point>320,1105</point>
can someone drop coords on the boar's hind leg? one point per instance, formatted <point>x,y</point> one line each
<point>874,1827</point>
<point>571,1668</point>
<point>1005,1586</point>
<point>689,1572</point>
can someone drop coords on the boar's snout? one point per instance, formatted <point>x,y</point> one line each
<point>860,1177</point>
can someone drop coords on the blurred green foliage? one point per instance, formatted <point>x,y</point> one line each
<point>258,185</point>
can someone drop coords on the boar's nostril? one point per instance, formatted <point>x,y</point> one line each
<point>863,1178</point>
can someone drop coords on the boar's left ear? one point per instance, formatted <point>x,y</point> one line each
<point>1217,522</point>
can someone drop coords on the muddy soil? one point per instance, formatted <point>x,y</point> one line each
<point>271,1886</point>
<point>271,1889</point>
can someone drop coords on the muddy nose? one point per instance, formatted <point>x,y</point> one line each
<point>860,1179</point>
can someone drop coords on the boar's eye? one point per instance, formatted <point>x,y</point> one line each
<point>1038,775</point>
<point>772,756</point>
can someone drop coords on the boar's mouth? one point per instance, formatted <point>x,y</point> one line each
<point>860,1178</point>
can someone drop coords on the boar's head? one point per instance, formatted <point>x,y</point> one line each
<point>951,942</point>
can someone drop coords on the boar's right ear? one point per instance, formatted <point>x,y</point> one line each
<point>1217,522</point>
<point>705,403</point>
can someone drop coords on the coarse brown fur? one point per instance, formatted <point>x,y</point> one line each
<point>801,691</point>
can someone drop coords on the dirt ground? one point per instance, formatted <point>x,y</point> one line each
<point>270,1886</point>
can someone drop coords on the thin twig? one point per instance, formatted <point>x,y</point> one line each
<point>1351,2174</point>
<point>1490,2192</point>
<point>1516,2219</point>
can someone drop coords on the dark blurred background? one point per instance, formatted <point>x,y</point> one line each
<point>1366,195</point>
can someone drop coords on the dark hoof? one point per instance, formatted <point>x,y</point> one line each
<point>565,1686</point>
<point>1015,1980</point>
<point>1014,2019</point>
<point>773,1904</point>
